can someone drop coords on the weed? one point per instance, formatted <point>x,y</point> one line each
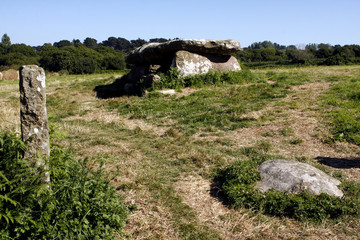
<point>80,204</point>
<point>287,131</point>
<point>295,141</point>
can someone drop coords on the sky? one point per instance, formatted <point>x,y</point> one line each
<point>286,22</point>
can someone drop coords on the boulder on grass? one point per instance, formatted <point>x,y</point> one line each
<point>294,177</point>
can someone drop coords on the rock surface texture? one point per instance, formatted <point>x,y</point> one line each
<point>294,177</point>
<point>189,56</point>
<point>192,63</point>
<point>33,115</point>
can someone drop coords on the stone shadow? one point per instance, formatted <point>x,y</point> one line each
<point>120,87</point>
<point>217,193</point>
<point>341,163</point>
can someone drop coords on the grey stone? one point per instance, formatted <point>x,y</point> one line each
<point>294,177</point>
<point>137,72</point>
<point>167,92</point>
<point>33,114</point>
<point>192,63</point>
<point>160,53</point>
<point>150,79</point>
<point>1,76</point>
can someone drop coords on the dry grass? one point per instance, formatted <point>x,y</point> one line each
<point>155,170</point>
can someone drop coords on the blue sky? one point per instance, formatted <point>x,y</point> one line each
<point>35,22</point>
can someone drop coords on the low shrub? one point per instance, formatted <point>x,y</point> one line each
<point>80,203</point>
<point>238,181</point>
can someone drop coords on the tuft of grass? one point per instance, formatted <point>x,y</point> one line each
<point>287,131</point>
<point>296,141</point>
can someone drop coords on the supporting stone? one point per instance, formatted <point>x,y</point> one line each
<point>193,63</point>
<point>33,116</point>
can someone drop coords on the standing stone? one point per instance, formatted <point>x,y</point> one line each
<point>33,115</point>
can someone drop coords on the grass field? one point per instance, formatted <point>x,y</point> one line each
<point>167,149</point>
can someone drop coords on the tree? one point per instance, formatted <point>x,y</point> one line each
<point>76,42</point>
<point>90,43</point>
<point>62,43</point>
<point>158,40</point>
<point>3,49</point>
<point>6,40</point>
<point>137,43</point>
<point>110,42</point>
<point>23,49</point>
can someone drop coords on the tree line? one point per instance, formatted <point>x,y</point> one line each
<point>73,57</point>
<point>90,56</point>
<point>266,53</point>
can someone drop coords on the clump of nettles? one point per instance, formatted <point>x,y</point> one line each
<point>237,182</point>
<point>80,204</point>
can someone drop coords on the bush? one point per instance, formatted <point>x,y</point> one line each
<point>238,181</point>
<point>81,203</point>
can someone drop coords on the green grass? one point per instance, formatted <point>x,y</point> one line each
<point>238,184</point>
<point>155,142</point>
<point>205,110</point>
<point>343,104</point>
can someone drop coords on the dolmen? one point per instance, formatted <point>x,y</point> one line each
<point>188,56</point>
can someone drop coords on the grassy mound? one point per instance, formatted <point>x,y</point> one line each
<point>81,203</point>
<point>238,181</point>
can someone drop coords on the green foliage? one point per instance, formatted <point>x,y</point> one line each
<point>344,110</point>
<point>238,181</point>
<point>5,39</point>
<point>268,54</point>
<point>19,186</point>
<point>172,79</point>
<point>80,204</point>
<point>81,60</point>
